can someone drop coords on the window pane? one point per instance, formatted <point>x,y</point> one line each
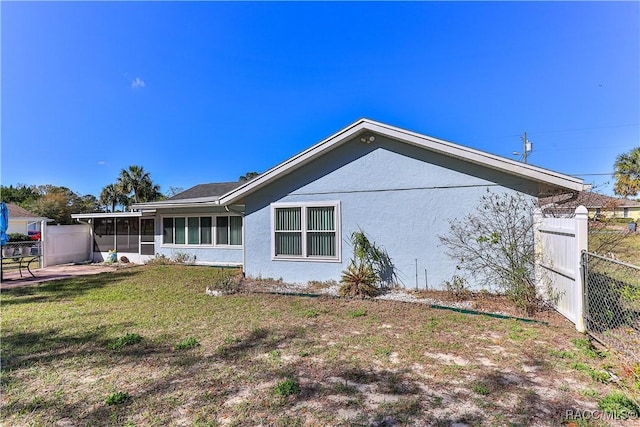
<point>179,231</point>
<point>205,230</point>
<point>288,243</point>
<point>103,230</point>
<point>193,230</point>
<point>321,244</point>
<point>235,230</point>
<point>222,230</point>
<point>321,218</point>
<point>288,219</point>
<point>167,230</point>
<point>147,231</point>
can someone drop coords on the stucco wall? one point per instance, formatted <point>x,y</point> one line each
<point>401,196</point>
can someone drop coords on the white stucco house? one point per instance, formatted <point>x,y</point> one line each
<point>294,220</point>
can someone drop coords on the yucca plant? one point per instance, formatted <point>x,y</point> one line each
<point>359,280</point>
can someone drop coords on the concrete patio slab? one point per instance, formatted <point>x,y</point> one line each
<point>12,279</point>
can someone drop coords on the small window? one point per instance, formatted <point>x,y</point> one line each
<point>306,231</point>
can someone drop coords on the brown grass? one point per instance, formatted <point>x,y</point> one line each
<point>391,363</point>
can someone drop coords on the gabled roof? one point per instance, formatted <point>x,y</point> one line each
<point>366,128</point>
<point>211,190</point>
<point>19,213</point>
<point>199,194</point>
<point>590,200</point>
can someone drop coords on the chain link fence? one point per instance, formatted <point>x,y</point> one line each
<point>612,304</point>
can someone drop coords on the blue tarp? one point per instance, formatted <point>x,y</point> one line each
<point>4,223</point>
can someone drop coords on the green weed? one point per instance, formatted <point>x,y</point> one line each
<point>287,387</point>
<point>619,405</point>
<point>125,340</point>
<point>187,343</point>
<point>117,398</point>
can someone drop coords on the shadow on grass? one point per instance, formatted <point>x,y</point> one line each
<point>62,289</point>
<point>23,349</point>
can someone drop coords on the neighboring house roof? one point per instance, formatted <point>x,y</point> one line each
<point>365,129</point>
<point>19,213</point>
<point>590,201</point>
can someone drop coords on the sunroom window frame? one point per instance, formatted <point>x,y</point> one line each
<point>305,231</point>
<point>213,228</point>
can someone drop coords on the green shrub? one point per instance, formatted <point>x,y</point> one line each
<point>287,387</point>
<point>117,398</point>
<point>187,343</point>
<point>125,340</point>
<point>19,237</point>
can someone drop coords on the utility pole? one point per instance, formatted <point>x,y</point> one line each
<point>526,147</point>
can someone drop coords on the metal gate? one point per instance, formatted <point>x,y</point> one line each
<point>612,304</point>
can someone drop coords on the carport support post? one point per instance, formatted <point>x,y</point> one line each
<point>582,228</point>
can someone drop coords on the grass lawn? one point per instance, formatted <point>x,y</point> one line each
<point>147,346</point>
<point>626,248</point>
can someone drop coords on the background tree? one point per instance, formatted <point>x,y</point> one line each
<point>58,203</point>
<point>172,191</point>
<point>248,176</point>
<point>135,180</point>
<point>627,173</point>
<point>111,196</point>
<point>21,194</point>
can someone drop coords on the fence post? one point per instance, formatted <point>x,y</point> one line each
<point>537,247</point>
<point>43,244</point>
<point>581,246</point>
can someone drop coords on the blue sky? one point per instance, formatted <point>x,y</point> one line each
<point>206,91</point>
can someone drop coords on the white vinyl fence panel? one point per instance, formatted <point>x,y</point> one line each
<point>559,244</point>
<point>66,243</point>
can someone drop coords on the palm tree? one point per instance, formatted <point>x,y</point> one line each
<point>627,173</point>
<point>134,179</point>
<point>111,195</point>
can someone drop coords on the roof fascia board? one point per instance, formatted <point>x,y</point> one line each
<point>105,215</point>
<point>434,144</point>
<point>200,201</point>
<point>480,157</point>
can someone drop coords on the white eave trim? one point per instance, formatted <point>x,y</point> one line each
<point>482,158</point>
<point>182,203</point>
<point>106,215</point>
